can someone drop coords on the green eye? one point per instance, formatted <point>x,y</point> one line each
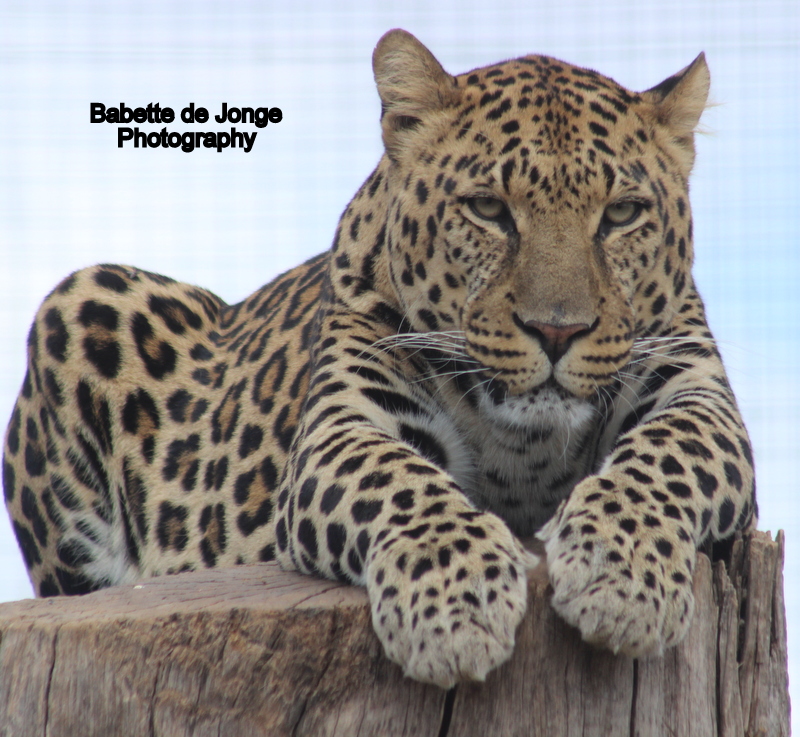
<point>622,212</point>
<point>487,208</point>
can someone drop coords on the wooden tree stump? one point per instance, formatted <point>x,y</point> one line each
<point>256,651</point>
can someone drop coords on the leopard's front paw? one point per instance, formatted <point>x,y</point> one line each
<point>446,605</point>
<point>629,593</point>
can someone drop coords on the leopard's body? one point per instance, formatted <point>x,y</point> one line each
<point>504,339</point>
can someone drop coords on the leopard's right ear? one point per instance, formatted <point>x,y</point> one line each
<point>411,84</point>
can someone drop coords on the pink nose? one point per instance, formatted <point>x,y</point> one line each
<point>554,339</point>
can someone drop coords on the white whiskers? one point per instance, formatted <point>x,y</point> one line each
<point>450,342</point>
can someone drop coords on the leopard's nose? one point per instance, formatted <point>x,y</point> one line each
<point>555,340</point>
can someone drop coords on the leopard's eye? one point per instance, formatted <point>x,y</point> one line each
<point>622,212</point>
<point>487,208</point>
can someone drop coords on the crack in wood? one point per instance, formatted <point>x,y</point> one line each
<point>447,712</point>
<point>49,681</point>
<point>634,696</point>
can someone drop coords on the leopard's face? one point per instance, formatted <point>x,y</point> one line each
<point>546,232</point>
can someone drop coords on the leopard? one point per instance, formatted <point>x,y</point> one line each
<point>504,342</point>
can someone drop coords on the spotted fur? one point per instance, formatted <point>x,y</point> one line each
<point>504,339</point>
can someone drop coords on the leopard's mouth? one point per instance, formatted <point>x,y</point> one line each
<point>498,384</point>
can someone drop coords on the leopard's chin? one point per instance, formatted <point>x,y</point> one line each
<point>498,391</point>
<point>547,406</point>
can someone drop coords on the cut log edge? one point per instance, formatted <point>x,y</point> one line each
<point>258,651</point>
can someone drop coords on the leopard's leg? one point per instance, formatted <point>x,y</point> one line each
<point>446,582</point>
<point>678,471</point>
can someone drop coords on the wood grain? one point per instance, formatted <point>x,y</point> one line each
<point>256,651</point>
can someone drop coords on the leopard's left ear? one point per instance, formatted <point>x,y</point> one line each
<point>679,101</point>
<point>411,83</point>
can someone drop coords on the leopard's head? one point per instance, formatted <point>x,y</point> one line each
<point>537,209</point>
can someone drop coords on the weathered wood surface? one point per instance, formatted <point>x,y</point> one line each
<point>256,651</point>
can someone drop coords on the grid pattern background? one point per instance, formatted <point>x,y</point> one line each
<point>230,221</point>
